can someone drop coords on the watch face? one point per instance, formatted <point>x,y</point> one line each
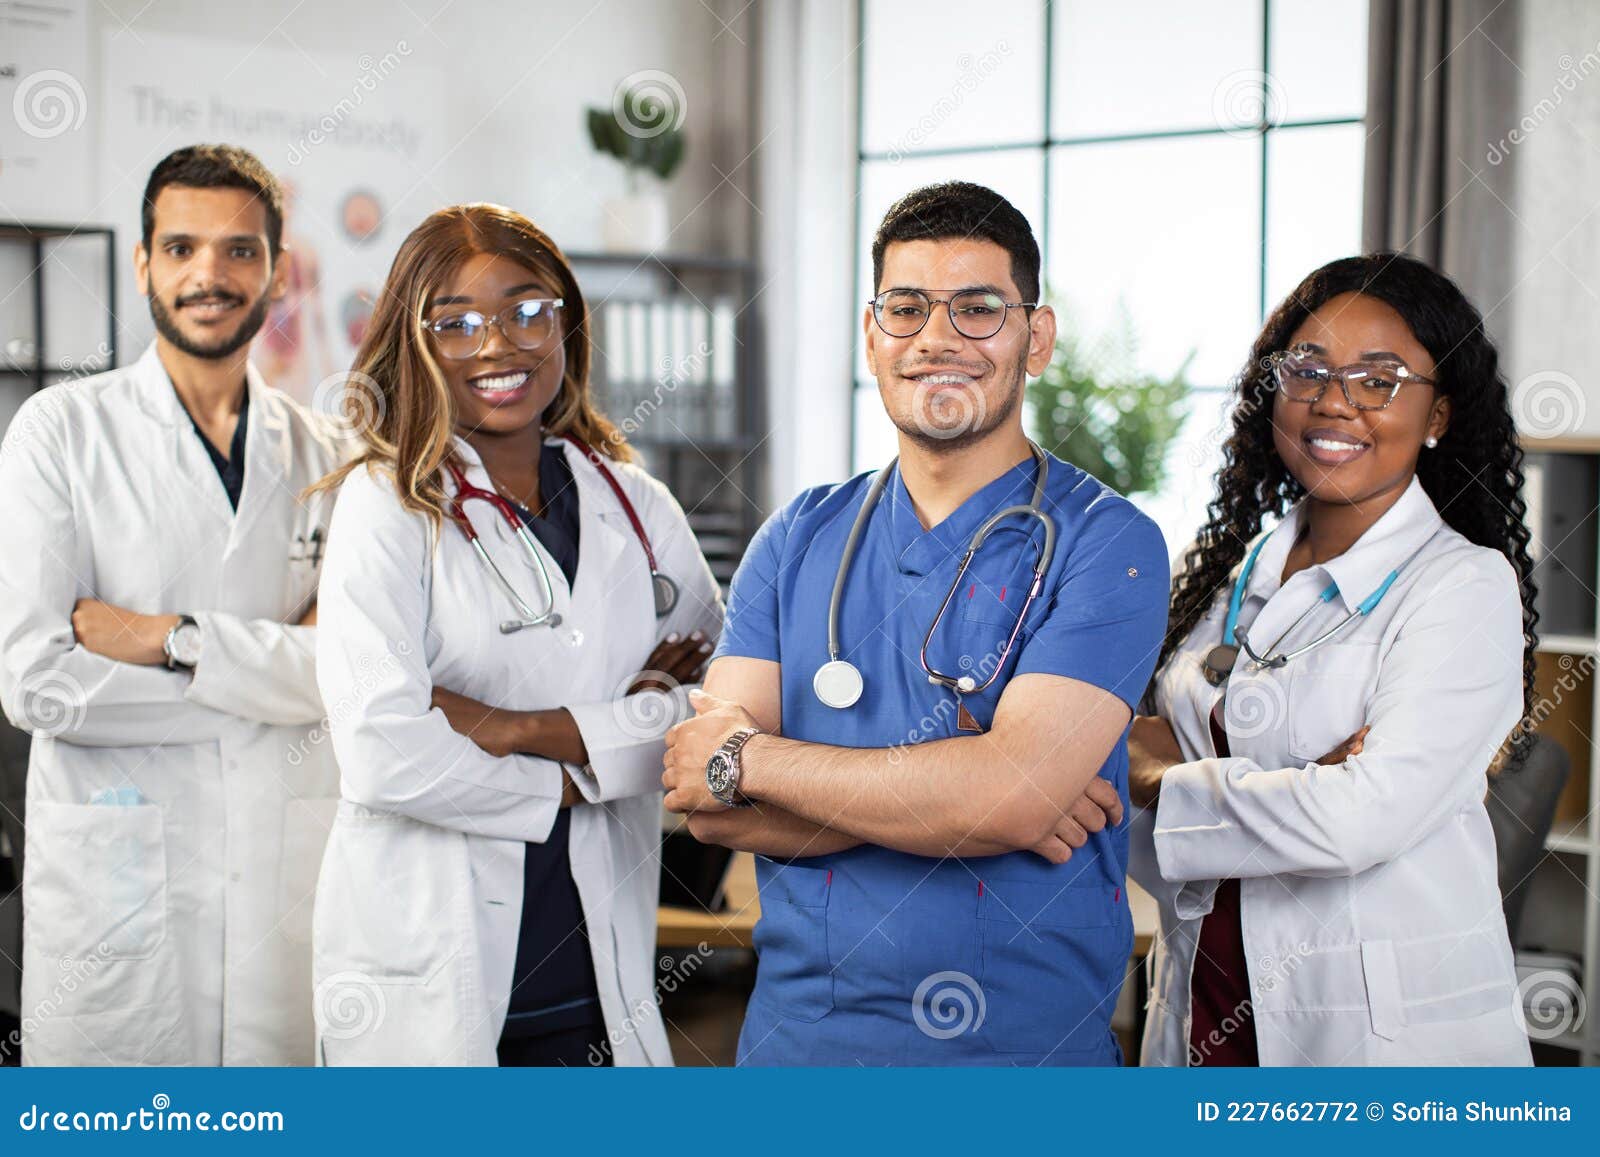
<point>718,773</point>
<point>186,644</point>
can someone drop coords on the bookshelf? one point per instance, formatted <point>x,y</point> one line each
<point>677,366</point>
<point>1562,915</point>
<point>68,275</point>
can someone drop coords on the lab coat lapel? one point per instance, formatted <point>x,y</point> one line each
<point>266,452</point>
<point>603,577</point>
<point>190,486</point>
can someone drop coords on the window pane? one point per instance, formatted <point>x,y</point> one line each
<point>1154,65</point>
<point>1016,174</point>
<point>875,434</point>
<point>1194,458</point>
<point>1313,201</point>
<point>1318,59</point>
<point>1169,232</point>
<point>937,74</point>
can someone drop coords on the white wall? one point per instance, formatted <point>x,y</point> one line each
<point>512,78</point>
<point>1551,322</point>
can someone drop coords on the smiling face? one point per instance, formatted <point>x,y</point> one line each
<point>209,272</point>
<point>503,388</point>
<point>1341,454</point>
<point>942,389</point>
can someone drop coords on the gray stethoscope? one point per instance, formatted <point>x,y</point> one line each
<point>1221,659</point>
<point>838,682</point>
<point>663,590</point>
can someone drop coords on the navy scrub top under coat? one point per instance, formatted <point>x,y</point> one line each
<point>860,950</point>
<point>230,469</point>
<point>553,985</point>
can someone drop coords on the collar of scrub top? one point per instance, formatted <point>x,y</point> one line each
<point>838,683</point>
<point>1409,525</point>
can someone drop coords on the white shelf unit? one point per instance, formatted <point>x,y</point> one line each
<point>1572,865</point>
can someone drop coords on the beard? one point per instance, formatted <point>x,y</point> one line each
<point>975,420</point>
<point>218,348</point>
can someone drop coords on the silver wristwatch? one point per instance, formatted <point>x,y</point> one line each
<point>722,769</point>
<point>182,645</point>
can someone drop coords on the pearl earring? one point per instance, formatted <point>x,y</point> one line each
<point>1430,441</point>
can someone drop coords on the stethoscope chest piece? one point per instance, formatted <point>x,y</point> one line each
<point>837,683</point>
<point>1219,663</point>
<point>666,594</point>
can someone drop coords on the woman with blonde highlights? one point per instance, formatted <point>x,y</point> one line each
<point>509,607</point>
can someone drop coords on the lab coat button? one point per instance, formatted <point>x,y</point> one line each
<point>235,877</point>
<point>575,638</point>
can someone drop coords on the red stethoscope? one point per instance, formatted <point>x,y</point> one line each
<point>662,586</point>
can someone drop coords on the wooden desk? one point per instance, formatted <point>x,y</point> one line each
<point>732,928</point>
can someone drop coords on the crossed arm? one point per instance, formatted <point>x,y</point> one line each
<point>1029,783</point>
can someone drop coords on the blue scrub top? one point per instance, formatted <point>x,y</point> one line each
<point>873,956</point>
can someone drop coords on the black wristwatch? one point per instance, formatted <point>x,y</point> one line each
<point>722,769</point>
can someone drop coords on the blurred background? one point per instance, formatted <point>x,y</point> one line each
<point>716,168</point>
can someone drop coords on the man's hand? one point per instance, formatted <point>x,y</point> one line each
<point>1152,748</point>
<point>120,634</point>
<point>691,744</point>
<point>1098,808</point>
<point>489,727</point>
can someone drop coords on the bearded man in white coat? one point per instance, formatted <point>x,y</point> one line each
<point>157,602</point>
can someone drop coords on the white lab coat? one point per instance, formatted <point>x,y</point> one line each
<point>420,900</point>
<point>176,931</point>
<point>1370,909</point>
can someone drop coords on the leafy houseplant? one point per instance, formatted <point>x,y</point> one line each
<point>640,130</point>
<point>643,129</point>
<point>1092,408</point>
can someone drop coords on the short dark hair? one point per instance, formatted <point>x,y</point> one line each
<point>961,209</point>
<point>217,167</point>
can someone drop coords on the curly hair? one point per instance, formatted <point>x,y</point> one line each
<point>1474,476</point>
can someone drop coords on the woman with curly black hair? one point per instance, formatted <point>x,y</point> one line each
<point>1332,692</point>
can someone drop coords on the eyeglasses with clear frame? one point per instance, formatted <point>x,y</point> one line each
<point>527,324</point>
<point>1305,377</point>
<point>975,313</point>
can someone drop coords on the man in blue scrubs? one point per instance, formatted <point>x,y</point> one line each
<point>941,872</point>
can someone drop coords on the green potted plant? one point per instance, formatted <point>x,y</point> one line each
<point>1093,408</point>
<point>643,129</point>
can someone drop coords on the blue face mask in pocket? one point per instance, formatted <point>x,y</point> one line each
<point>118,797</point>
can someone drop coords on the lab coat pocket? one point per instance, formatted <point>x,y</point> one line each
<point>796,976</point>
<point>97,881</point>
<point>306,823</point>
<point>388,898</point>
<point>1053,961</point>
<point>1329,690</point>
<point>1382,974</point>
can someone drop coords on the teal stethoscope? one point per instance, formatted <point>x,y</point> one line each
<point>1221,659</point>
<point>838,682</point>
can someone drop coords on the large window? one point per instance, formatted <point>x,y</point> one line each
<point>1182,164</point>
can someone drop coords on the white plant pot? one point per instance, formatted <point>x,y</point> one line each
<point>636,222</point>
